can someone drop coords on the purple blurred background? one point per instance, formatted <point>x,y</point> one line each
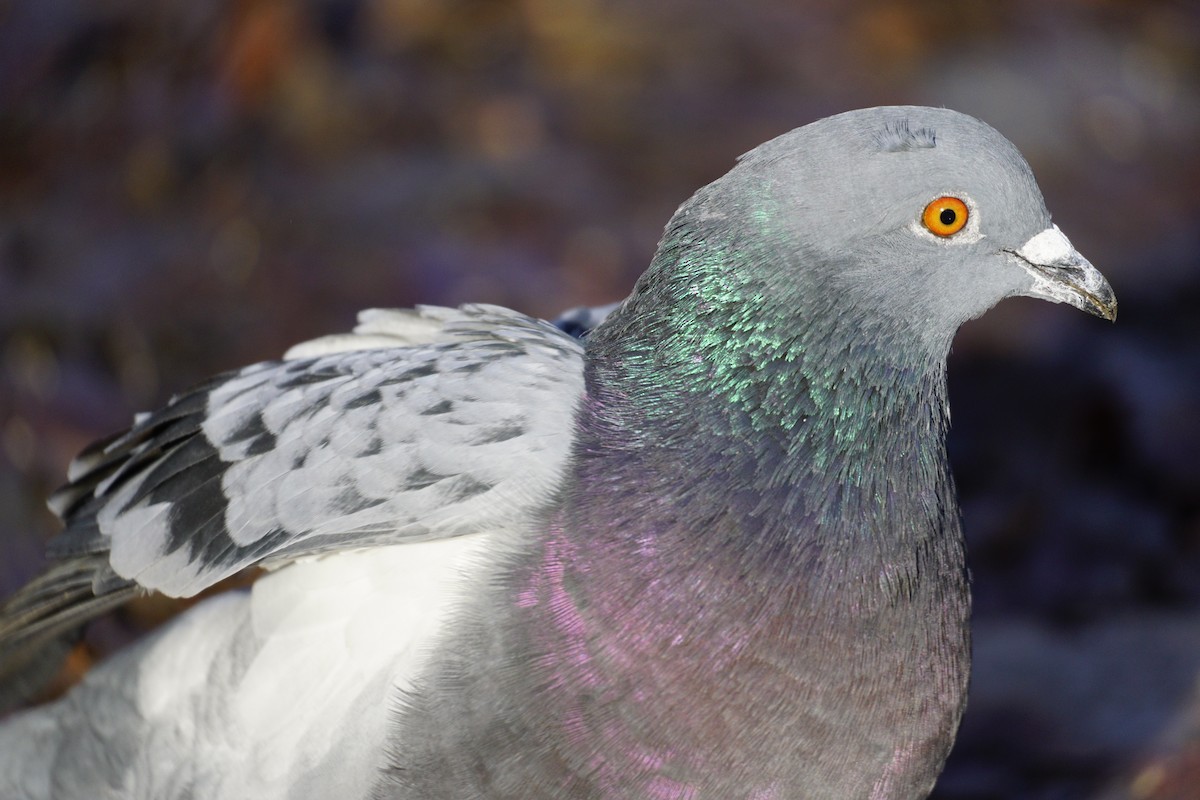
<point>188,187</point>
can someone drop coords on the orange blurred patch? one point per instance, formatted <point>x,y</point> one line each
<point>261,41</point>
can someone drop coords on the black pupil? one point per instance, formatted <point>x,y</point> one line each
<point>947,216</point>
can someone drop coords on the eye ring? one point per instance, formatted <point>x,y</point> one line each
<point>945,216</point>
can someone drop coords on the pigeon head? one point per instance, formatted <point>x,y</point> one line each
<point>914,219</point>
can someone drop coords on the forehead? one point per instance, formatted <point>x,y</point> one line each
<point>882,155</point>
<point>842,145</point>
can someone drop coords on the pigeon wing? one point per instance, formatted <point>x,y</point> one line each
<point>421,424</point>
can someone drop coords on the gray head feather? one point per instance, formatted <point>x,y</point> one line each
<point>899,135</point>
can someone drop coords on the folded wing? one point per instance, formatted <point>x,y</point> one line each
<point>419,425</point>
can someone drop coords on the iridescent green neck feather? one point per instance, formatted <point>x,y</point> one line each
<point>762,377</point>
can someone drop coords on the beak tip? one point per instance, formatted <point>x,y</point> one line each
<point>1103,305</point>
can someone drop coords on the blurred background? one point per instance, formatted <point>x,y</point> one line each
<point>189,187</point>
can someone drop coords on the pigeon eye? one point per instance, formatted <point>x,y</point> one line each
<point>945,216</point>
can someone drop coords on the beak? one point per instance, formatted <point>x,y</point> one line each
<point>1061,275</point>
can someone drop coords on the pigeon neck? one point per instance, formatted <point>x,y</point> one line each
<point>765,393</point>
<point>839,438</point>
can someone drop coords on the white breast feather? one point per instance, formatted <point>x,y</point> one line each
<point>282,691</point>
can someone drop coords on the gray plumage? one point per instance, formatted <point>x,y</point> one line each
<point>712,552</point>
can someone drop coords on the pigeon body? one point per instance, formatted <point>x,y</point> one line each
<point>711,552</point>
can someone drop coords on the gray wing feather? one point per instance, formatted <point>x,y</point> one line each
<point>464,426</point>
<point>420,424</point>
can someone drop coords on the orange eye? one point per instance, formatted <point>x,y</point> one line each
<point>945,216</point>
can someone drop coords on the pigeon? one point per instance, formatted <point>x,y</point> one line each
<point>709,550</point>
